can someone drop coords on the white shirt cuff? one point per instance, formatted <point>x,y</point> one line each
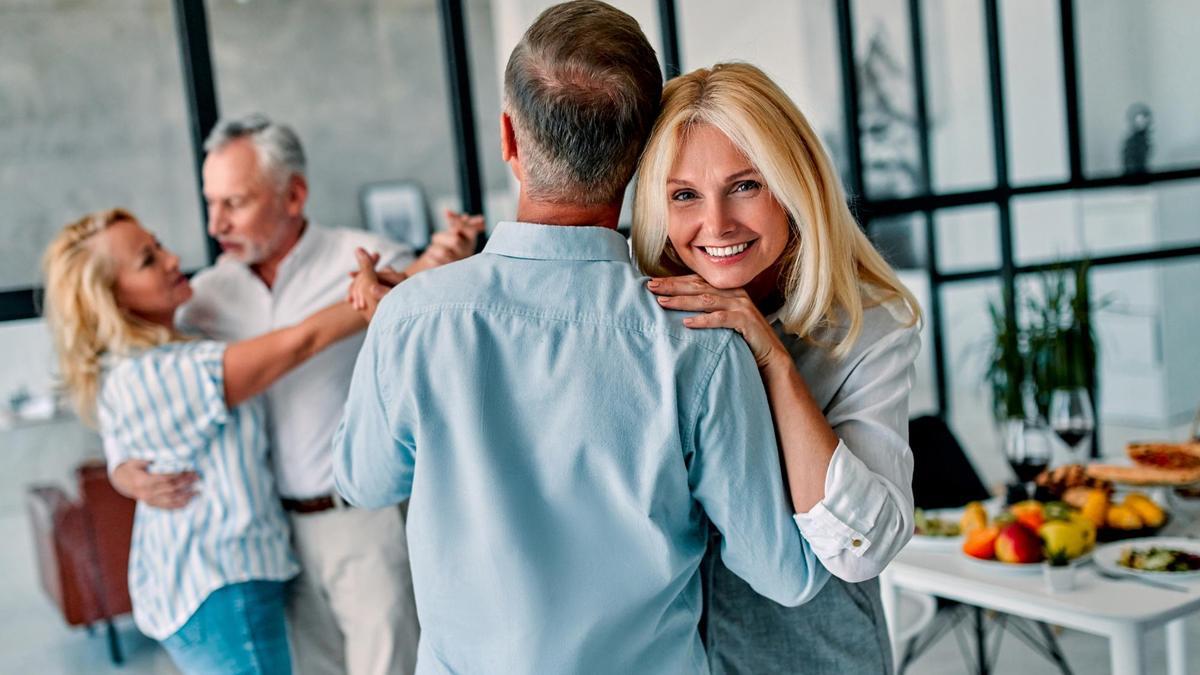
<point>850,508</point>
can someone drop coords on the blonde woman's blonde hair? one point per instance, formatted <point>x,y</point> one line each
<point>82,310</point>
<point>830,271</point>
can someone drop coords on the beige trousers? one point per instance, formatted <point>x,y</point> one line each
<point>351,609</point>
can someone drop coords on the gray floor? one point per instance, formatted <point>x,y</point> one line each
<point>33,636</point>
<point>34,639</point>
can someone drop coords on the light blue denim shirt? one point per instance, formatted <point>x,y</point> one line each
<point>566,444</point>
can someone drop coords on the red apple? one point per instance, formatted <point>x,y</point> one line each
<point>1018,544</point>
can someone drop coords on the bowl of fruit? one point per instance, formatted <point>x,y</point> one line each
<point>1133,515</point>
<point>1026,534</point>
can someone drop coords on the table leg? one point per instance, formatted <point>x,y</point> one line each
<point>1177,648</point>
<point>980,642</point>
<point>890,595</point>
<point>1125,650</point>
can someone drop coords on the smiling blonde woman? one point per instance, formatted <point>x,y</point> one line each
<point>740,217</point>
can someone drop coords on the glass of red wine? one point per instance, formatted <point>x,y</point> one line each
<point>1028,449</point>
<point>1071,418</point>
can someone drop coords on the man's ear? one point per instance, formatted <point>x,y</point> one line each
<point>508,145</point>
<point>296,195</point>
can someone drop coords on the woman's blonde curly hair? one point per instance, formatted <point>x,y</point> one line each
<point>82,310</point>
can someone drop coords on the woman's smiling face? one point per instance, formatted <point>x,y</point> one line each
<point>722,221</point>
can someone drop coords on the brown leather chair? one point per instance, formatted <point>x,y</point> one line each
<point>83,549</point>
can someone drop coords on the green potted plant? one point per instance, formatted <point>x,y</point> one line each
<point>1061,343</point>
<point>1058,571</point>
<point>1047,354</point>
<point>1052,347</point>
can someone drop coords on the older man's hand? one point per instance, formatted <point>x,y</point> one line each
<point>133,479</point>
<point>455,242</point>
<point>369,285</point>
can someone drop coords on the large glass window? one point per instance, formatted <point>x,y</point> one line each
<point>1034,97</point>
<point>1135,62</point>
<point>91,117</point>
<point>901,241</point>
<point>1095,223</point>
<point>1146,325</point>
<point>969,335</point>
<point>968,238</point>
<point>962,155</point>
<point>887,119</point>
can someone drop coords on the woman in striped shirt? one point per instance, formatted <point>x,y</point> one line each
<point>206,579</point>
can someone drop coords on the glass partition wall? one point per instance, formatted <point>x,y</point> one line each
<point>981,141</point>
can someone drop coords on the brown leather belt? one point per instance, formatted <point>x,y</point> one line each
<point>313,504</point>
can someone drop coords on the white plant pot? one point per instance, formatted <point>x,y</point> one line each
<point>1059,579</point>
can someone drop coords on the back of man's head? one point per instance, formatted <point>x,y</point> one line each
<point>583,89</point>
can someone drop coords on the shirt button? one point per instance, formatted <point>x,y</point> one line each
<point>856,542</point>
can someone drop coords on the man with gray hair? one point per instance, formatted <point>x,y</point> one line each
<point>351,609</point>
<point>563,441</point>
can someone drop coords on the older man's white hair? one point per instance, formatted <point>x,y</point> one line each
<point>280,154</point>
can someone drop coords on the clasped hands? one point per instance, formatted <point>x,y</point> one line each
<point>369,285</point>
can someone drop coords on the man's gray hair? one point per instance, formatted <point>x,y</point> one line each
<point>280,154</point>
<point>582,88</point>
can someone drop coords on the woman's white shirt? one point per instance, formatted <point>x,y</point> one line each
<point>866,516</point>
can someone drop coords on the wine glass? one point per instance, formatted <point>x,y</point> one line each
<point>1071,417</point>
<point>1027,448</point>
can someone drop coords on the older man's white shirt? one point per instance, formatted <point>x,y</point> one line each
<point>305,406</point>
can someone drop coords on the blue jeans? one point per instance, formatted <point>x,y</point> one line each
<point>238,629</point>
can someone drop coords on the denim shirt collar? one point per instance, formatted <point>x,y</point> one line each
<point>557,242</point>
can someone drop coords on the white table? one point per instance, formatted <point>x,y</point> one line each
<point>1122,611</point>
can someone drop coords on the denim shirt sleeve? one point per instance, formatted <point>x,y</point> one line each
<point>735,475</point>
<point>373,447</point>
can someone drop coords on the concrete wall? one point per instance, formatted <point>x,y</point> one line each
<point>91,116</point>
<point>92,108</point>
<point>364,84</point>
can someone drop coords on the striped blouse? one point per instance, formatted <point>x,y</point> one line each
<point>167,405</point>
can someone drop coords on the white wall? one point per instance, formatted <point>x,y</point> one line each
<point>795,43</point>
<point>41,452</point>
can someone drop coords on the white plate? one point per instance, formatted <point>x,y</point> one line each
<point>1016,568</point>
<point>1002,567</point>
<point>1108,554</point>
<point>924,542</point>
